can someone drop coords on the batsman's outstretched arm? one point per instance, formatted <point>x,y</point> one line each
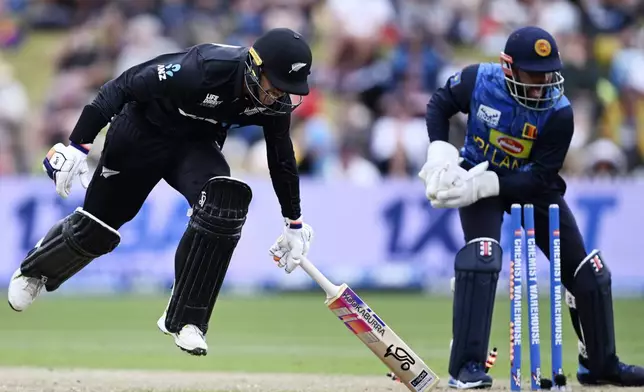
<point>296,236</point>
<point>282,165</point>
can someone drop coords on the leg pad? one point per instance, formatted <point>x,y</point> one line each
<point>477,269</point>
<point>594,303</point>
<point>205,250</point>
<point>69,246</point>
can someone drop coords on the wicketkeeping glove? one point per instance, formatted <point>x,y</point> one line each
<point>479,184</point>
<point>442,163</point>
<point>64,163</point>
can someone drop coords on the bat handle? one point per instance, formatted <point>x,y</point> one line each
<point>329,288</point>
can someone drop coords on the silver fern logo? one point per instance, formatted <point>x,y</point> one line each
<point>296,67</point>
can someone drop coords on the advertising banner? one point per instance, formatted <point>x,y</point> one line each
<point>382,237</point>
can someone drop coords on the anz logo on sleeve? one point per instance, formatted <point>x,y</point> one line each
<point>167,71</point>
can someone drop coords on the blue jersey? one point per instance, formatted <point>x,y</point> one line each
<point>500,130</point>
<point>525,147</point>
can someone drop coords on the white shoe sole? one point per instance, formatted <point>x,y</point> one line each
<point>195,351</point>
<point>12,308</point>
<point>473,385</point>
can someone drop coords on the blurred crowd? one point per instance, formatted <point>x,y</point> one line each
<point>376,64</point>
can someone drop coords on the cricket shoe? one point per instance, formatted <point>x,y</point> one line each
<point>471,376</point>
<point>23,290</point>
<point>190,338</point>
<point>623,376</point>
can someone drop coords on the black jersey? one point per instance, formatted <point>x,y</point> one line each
<point>200,90</point>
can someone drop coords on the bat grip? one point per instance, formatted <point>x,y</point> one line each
<point>329,288</point>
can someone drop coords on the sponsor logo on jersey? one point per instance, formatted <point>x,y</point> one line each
<point>488,115</point>
<point>513,146</point>
<point>167,71</point>
<point>211,101</point>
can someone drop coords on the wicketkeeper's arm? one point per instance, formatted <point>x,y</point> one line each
<point>448,100</point>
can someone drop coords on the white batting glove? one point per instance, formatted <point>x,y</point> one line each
<point>479,184</point>
<point>292,245</point>
<point>64,163</point>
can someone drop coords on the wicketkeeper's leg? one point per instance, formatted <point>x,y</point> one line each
<point>477,268</point>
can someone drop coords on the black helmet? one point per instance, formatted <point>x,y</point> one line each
<point>532,49</point>
<point>285,58</point>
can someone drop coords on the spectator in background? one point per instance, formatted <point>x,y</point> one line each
<point>14,109</point>
<point>399,140</point>
<point>82,66</point>
<point>351,164</point>
<point>143,40</point>
<point>415,57</point>
<point>604,159</point>
<point>580,85</point>
<point>378,66</point>
<point>353,48</point>
<point>627,127</point>
<point>12,26</point>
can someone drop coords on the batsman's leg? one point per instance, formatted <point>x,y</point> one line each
<point>90,231</point>
<point>205,251</point>
<point>199,163</point>
<point>68,247</point>
<point>587,280</point>
<point>477,268</point>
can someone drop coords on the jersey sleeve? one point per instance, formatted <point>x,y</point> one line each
<point>282,165</point>
<point>166,76</point>
<point>546,160</point>
<point>448,100</point>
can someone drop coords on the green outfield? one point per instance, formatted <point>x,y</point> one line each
<point>292,333</point>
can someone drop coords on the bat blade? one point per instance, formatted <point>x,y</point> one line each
<point>362,321</point>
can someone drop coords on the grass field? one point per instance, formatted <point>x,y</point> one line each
<point>251,337</point>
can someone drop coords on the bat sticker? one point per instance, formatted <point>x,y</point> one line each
<point>402,356</point>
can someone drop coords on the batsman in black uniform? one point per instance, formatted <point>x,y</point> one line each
<point>519,129</point>
<point>169,120</point>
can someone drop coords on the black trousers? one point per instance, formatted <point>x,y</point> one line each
<point>484,219</point>
<point>135,158</point>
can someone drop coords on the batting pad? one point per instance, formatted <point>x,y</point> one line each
<point>69,246</point>
<point>594,301</point>
<point>477,266</point>
<point>205,251</point>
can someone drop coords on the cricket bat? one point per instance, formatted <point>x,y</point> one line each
<point>409,368</point>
